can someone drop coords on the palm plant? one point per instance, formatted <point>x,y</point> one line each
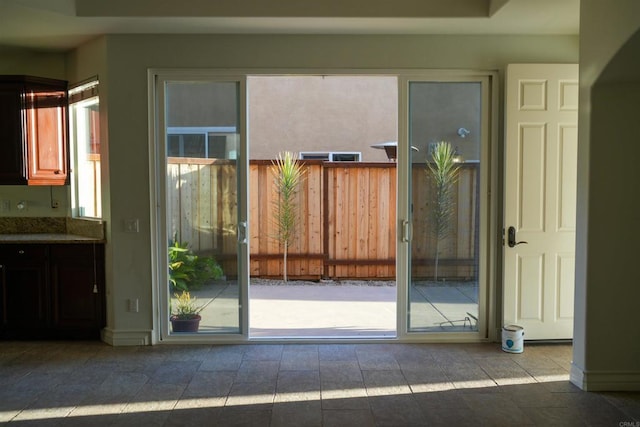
<point>444,175</point>
<point>287,176</point>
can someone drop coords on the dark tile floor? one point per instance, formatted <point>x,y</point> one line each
<point>93,384</point>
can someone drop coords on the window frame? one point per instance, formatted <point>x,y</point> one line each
<point>84,94</point>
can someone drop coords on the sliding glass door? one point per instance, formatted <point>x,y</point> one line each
<point>445,165</point>
<point>436,170</point>
<point>204,165</point>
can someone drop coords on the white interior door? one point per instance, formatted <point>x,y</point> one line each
<point>540,198</point>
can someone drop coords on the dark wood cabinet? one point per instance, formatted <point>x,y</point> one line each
<point>12,166</point>
<point>33,131</point>
<point>23,279</point>
<point>51,291</point>
<point>77,288</point>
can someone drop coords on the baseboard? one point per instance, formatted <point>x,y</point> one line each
<point>119,337</point>
<point>605,380</point>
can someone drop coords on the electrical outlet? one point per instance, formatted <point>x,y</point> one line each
<point>55,204</point>
<point>5,205</point>
<point>134,306</point>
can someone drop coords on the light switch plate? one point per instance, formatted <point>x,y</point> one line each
<point>131,225</point>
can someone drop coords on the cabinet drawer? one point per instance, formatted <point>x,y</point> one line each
<point>74,250</point>
<point>23,251</point>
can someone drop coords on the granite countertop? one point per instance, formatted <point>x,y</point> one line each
<point>47,238</point>
<point>50,230</point>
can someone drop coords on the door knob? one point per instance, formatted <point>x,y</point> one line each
<point>511,238</point>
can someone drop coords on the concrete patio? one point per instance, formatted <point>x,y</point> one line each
<point>337,309</point>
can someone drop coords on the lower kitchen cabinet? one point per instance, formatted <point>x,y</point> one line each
<point>23,280</point>
<point>50,291</point>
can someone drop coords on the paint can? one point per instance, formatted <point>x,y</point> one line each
<point>512,339</point>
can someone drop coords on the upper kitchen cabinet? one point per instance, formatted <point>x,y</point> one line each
<point>33,131</point>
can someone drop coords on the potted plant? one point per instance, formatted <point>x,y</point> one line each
<point>185,313</point>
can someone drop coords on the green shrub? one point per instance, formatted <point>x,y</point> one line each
<point>188,271</point>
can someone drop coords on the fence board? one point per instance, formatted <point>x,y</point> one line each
<point>359,220</point>
<point>458,250</point>
<point>347,219</point>
<point>372,215</point>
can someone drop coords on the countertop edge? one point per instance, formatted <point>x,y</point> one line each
<point>43,238</point>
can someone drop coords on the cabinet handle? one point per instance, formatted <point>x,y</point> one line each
<point>58,172</point>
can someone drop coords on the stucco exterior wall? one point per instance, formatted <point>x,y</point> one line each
<point>322,113</point>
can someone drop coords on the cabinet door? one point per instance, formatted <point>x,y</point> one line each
<point>12,165</point>
<point>33,131</point>
<point>23,284</point>
<point>77,283</point>
<point>46,136</point>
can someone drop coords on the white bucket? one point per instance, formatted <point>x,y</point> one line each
<point>512,339</point>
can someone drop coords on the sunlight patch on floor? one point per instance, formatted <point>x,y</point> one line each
<point>260,399</point>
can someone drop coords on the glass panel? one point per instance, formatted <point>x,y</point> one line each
<point>85,131</point>
<point>445,127</point>
<point>220,148</point>
<point>173,146</point>
<point>202,207</point>
<point>194,146</point>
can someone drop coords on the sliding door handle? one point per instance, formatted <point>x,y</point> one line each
<point>406,231</point>
<point>242,233</point>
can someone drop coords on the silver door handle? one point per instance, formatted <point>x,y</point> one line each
<point>406,231</point>
<point>242,232</point>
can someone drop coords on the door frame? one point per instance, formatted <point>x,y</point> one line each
<point>489,231</point>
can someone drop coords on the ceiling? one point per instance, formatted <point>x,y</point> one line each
<point>59,25</point>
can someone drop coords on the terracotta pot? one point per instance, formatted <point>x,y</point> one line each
<point>185,325</point>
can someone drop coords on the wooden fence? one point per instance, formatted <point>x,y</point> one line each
<point>458,251</point>
<point>346,219</point>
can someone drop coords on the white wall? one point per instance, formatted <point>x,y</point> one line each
<point>130,56</point>
<point>32,62</point>
<point>606,337</point>
<point>122,62</point>
<point>85,62</point>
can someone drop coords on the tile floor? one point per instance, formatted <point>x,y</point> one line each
<point>386,384</point>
